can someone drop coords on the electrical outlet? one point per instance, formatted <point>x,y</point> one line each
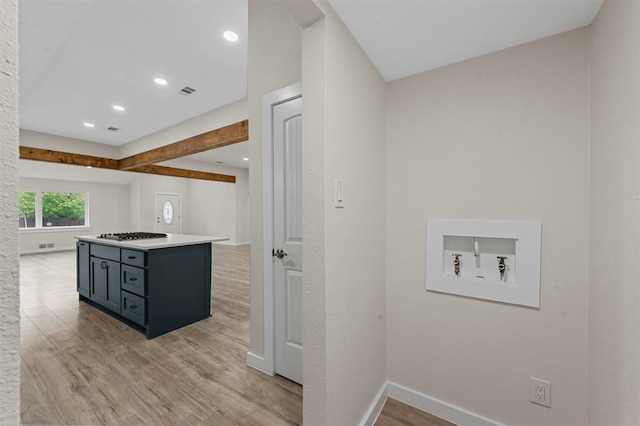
<point>540,391</point>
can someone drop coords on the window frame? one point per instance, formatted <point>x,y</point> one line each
<point>38,211</point>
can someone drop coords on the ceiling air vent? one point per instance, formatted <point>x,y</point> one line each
<point>113,129</point>
<point>220,162</point>
<point>187,91</point>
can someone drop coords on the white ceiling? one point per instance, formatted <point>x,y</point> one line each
<point>406,37</point>
<point>230,155</point>
<point>78,58</point>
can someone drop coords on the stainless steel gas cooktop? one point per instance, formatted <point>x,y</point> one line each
<point>122,236</point>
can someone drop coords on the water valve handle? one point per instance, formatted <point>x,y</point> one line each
<point>501,266</point>
<point>456,263</point>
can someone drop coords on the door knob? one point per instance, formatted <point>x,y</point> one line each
<point>278,253</point>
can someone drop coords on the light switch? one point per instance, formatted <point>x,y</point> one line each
<point>339,194</point>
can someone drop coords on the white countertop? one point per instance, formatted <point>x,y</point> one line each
<point>171,240</point>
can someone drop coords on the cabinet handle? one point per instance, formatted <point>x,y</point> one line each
<point>132,257</point>
<point>133,279</point>
<point>133,306</point>
<point>103,264</point>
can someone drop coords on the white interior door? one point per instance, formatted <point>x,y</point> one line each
<point>168,213</point>
<point>287,238</point>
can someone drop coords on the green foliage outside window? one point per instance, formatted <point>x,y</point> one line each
<point>27,209</point>
<point>57,209</point>
<point>63,205</point>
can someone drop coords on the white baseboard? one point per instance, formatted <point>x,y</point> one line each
<point>231,243</point>
<point>376,407</point>
<point>437,407</point>
<point>426,403</point>
<point>47,250</point>
<point>258,362</point>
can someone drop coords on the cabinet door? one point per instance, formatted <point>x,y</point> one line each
<point>98,280</point>
<point>105,283</point>
<point>112,298</point>
<point>82,268</point>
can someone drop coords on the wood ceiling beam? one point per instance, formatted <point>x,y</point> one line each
<point>227,135</point>
<point>69,158</point>
<point>50,156</point>
<point>184,173</point>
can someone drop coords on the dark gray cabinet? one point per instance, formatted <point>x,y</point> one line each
<point>104,276</point>
<point>134,308</point>
<point>155,291</point>
<point>105,283</point>
<point>134,280</point>
<point>82,268</point>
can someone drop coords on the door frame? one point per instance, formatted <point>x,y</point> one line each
<point>155,195</point>
<point>269,101</point>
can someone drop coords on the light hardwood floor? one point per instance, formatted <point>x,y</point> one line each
<point>81,366</point>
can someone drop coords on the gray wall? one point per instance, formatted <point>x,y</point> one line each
<point>274,62</point>
<point>9,294</point>
<point>502,136</point>
<point>614,302</point>
<point>349,260</point>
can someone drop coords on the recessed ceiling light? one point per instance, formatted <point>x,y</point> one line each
<point>160,81</point>
<point>230,35</point>
<point>118,107</point>
<point>245,159</point>
<point>89,125</point>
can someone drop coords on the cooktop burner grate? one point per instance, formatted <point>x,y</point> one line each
<point>122,236</point>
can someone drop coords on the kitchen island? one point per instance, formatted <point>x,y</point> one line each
<point>153,285</point>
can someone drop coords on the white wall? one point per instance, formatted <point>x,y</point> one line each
<point>614,316</point>
<point>355,241</point>
<point>211,209</point>
<point>206,122</point>
<point>109,211</point>
<point>242,207</point>
<point>9,280</point>
<point>208,207</point>
<point>274,62</point>
<point>314,359</point>
<point>205,194</point>
<point>147,186</point>
<point>502,136</point>
<point>60,143</point>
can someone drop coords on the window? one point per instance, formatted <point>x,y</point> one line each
<point>27,209</point>
<point>40,209</point>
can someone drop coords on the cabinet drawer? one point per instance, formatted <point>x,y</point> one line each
<point>133,280</point>
<point>134,308</point>
<point>133,257</point>
<point>105,252</point>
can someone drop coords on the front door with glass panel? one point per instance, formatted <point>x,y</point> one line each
<point>168,213</point>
